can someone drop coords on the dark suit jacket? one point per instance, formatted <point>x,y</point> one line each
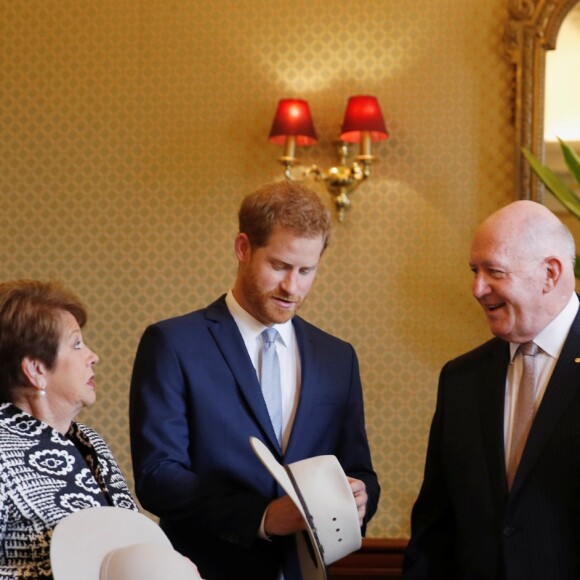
<point>196,400</point>
<point>465,524</point>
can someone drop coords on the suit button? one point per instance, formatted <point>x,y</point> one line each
<point>508,531</point>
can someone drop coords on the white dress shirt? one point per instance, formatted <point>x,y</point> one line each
<point>288,355</point>
<point>551,341</point>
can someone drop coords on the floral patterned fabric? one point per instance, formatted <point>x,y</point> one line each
<point>45,476</point>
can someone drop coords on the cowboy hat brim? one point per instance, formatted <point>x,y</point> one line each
<point>81,541</point>
<point>320,490</point>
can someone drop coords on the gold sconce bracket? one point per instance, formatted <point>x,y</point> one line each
<point>340,180</point>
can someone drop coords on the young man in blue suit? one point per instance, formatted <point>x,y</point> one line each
<point>500,498</point>
<point>196,399</point>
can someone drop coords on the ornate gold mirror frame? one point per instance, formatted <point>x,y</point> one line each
<point>531,31</point>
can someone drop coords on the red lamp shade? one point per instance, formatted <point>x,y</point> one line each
<point>363,113</point>
<point>293,118</point>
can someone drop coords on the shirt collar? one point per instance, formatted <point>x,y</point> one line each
<point>252,328</point>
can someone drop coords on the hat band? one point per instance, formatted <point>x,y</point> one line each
<point>309,518</point>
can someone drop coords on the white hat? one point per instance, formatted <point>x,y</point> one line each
<point>146,562</point>
<point>319,488</point>
<point>112,543</point>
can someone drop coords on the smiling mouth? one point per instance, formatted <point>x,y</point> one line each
<point>493,307</point>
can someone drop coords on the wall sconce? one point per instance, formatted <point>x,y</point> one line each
<point>363,123</point>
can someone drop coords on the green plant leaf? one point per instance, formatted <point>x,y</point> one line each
<point>557,187</point>
<point>572,160</point>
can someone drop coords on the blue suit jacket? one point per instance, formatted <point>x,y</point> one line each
<point>465,524</point>
<point>196,400</point>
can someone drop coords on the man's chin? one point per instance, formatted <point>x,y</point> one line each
<point>281,315</point>
<point>282,318</point>
<point>501,332</point>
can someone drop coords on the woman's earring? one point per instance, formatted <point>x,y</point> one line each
<point>41,392</point>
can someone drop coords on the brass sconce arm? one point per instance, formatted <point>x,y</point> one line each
<point>340,180</point>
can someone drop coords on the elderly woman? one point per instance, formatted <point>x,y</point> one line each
<point>50,466</point>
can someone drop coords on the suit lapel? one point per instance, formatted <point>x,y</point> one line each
<point>231,344</point>
<point>561,389</point>
<point>303,426</point>
<point>491,401</point>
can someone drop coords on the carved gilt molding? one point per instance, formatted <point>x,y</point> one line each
<point>531,30</point>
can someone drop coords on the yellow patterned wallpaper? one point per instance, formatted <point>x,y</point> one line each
<point>131,129</point>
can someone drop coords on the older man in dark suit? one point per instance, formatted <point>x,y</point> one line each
<point>196,399</point>
<point>501,492</point>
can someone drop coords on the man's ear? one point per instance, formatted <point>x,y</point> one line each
<point>243,247</point>
<point>35,371</point>
<point>553,268</point>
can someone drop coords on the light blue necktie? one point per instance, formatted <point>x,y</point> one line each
<point>270,380</point>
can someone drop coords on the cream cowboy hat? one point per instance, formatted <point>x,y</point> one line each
<point>319,488</point>
<point>112,543</point>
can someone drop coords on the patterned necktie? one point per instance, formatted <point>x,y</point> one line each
<point>270,379</point>
<point>525,408</point>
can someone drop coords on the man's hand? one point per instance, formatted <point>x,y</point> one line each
<point>359,490</point>
<point>283,518</point>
